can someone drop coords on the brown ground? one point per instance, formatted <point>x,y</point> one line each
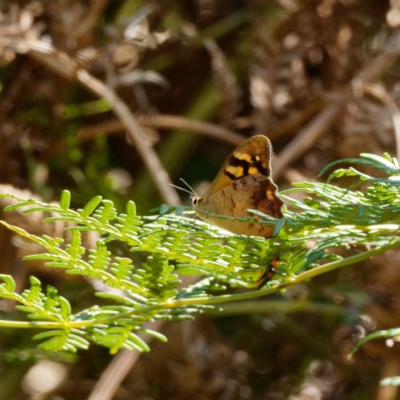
<point>318,77</point>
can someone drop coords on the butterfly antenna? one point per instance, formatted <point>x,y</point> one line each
<point>183,189</point>
<point>192,192</point>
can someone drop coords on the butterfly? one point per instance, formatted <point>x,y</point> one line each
<point>244,182</point>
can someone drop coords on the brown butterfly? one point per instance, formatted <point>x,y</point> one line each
<point>244,182</point>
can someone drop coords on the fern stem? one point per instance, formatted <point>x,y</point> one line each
<point>173,304</point>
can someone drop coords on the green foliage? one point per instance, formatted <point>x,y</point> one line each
<point>393,380</point>
<point>385,334</point>
<point>89,108</point>
<point>174,243</point>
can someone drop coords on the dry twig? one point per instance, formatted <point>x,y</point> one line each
<point>166,122</point>
<point>63,65</point>
<point>311,132</point>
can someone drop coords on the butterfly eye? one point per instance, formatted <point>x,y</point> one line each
<point>195,200</point>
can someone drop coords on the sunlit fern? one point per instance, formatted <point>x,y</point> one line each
<point>173,243</point>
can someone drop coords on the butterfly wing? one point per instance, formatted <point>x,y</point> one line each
<point>243,183</point>
<point>251,157</point>
<point>255,192</point>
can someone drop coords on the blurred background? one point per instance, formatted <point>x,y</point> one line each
<point>120,98</point>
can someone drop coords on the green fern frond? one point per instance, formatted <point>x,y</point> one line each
<point>307,242</point>
<point>62,339</point>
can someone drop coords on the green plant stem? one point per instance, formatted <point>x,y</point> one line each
<point>173,304</point>
<point>282,306</point>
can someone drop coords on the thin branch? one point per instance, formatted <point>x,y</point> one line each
<point>136,134</point>
<point>161,121</point>
<point>281,306</point>
<point>307,137</point>
<point>295,120</point>
<point>311,132</point>
<point>178,303</point>
<point>91,18</point>
<point>63,65</point>
<point>390,368</point>
<point>381,93</point>
<point>119,367</point>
